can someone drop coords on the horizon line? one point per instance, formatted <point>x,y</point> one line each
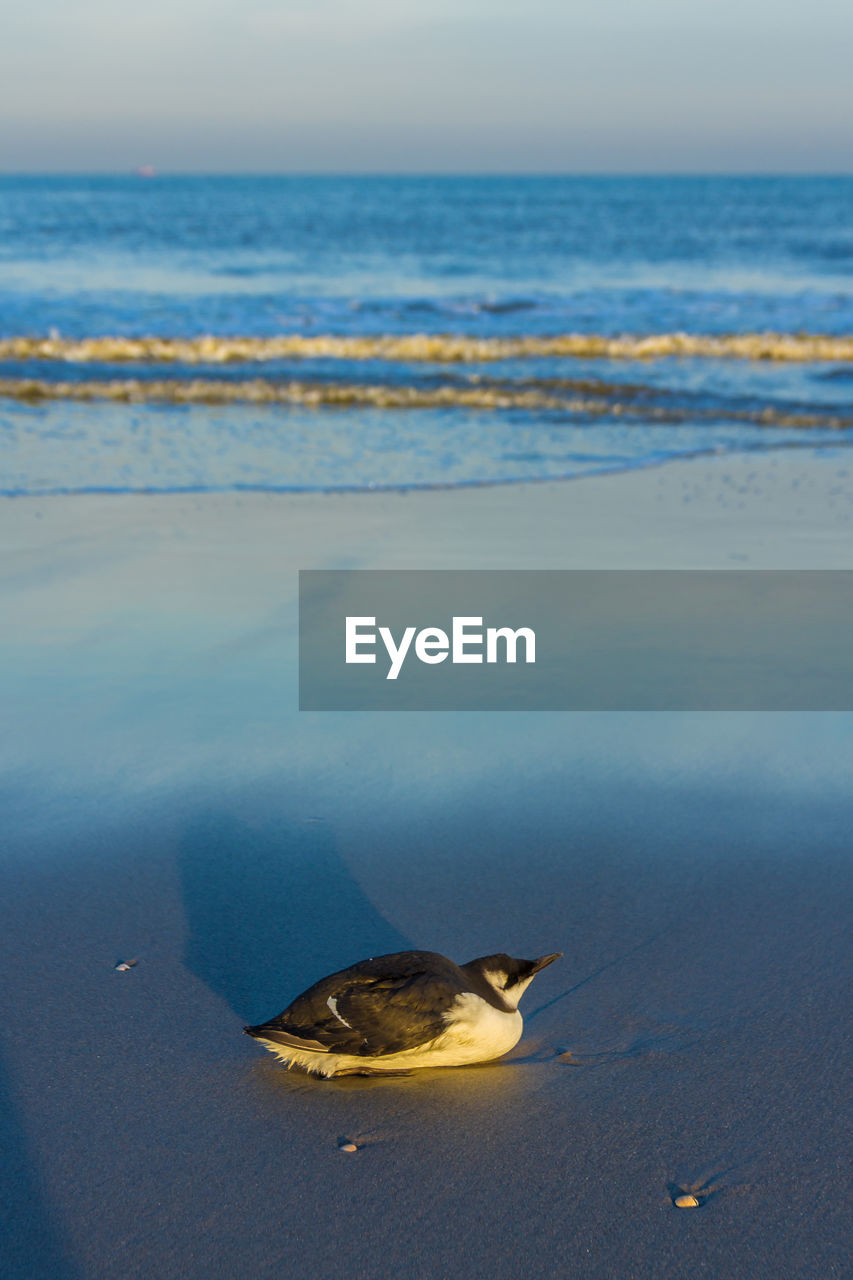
<point>150,172</point>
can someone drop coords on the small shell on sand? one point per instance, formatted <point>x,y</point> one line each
<point>686,1202</point>
<point>347,1146</point>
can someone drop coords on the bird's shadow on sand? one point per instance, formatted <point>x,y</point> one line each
<point>271,907</point>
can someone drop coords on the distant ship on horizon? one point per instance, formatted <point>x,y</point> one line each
<point>145,171</point>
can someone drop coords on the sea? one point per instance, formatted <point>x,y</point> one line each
<point>175,334</point>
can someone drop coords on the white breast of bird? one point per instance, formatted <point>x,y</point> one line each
<point>478,1031</point>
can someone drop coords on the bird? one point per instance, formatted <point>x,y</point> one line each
<point>391,1014</point>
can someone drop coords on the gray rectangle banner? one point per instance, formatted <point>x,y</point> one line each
<point>575,640</point>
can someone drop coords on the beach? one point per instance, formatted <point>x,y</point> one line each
<point>166,803</point>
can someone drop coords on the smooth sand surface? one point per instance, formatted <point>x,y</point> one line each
<point>164,801</point>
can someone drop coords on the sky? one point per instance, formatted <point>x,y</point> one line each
<point>537,86</point>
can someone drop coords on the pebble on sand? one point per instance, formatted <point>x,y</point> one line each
<point>347,1146</point>
<point>686,1202</point>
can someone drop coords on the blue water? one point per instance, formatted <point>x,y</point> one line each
<point>482,257</point>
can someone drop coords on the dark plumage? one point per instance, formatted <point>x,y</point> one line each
<point>396,1004</point>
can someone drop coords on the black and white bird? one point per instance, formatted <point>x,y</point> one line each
<point>394,1013</point>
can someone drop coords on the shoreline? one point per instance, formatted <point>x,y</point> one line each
<point>770,510</point>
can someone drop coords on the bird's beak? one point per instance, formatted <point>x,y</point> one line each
<point>544,961</point>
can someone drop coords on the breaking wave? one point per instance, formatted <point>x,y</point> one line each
<point>479,396</point>
<point>439,348</point>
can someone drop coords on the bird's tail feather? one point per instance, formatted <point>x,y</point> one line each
<point>275,1035</point>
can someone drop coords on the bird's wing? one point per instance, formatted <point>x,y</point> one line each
<point>370,1013</point>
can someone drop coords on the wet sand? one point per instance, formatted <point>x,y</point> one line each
<point>164,801</point>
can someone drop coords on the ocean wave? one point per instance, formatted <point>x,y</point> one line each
<point>479,396</point>
<point>432,348</point>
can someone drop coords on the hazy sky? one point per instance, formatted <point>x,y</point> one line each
<point>457,85</point>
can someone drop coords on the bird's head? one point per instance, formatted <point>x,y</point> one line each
<point>510,978</point>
